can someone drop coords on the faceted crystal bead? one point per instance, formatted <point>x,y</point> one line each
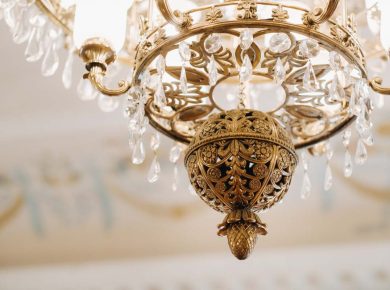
<point>154,170</point>
<point>309,78</point>
<point>279,42</point>
<point>347,137</point>
<point>335,61</point>
<point>328,178</point>
<point>309,48</point>
<point>213,71</point>
<point>155,141</point>
<point>306,186</point>
<point>138,156</point>
<point>23,31</point>
<point>50,61</point>
<point>246,39</point>
<point>347,164</point>
<point>107,104</point>
<point>145,78</point>
<point>279,71</point>
<point>68,70</point>
<point>175,178</point>
<point>160,65</point>
<point>86,91</point>
<point>246,70</point>
<point>212,43</point>
<point>184,51</point>
<point>361,153</point>
<point>175,153</point>
<point>183,80</point>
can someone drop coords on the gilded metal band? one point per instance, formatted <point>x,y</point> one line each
<point>320,15</point>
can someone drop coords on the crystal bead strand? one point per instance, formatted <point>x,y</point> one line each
<point>328,171</point>
<point>212,44</point>
<point>309,48</point>
<point>246,69</point>
<point>159,95</point>
<point>348,166</point>
<point>174,156</point>
<point>185,55</point>
<point>155,169</point>
<point>306,183</point>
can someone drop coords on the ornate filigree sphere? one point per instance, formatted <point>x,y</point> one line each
<point>241,162</point>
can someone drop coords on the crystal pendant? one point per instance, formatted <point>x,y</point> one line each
<point>279,42</point>
<point>336,92</point>
<point>34,50</point>
<point>159,96</point>
<point>212,43</point>
<point>107,104</point>
<point>10,14</point>
<point>279,71</point>
<point>175,178</point>
<point>138,156</point>
<point>86,91</point>
<point>184,51</point>
<point>160,65</point>
<point>213,71</point>
<point>306,186</point>
<point>246,70</point>
<point>309,48</point>
<point>145,78</point>
<point>347,164</point>
<point>246,39</point>
<point>175,153</point>
<point>335,61</point>
<point>347,137</point>
<point>328,178</point>
<point>68,70</point>
<point>50,61</point>
<point>361,153</point>
<point>183,80</point>
<point>154,170</point>
<point>155,141</point>
<point>352,103</point>
<point>309,78</point>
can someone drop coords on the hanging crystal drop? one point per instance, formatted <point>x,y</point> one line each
<point>335,61</point>
<point>361,153</point>
<point>175,153</point>
<point>347,164</point>
<point>347,137</point>
<point>155,141</point>
<point>85,90</point>
<point>34,49</point>
<point>246,39</point>
<point>68,70</point>
<point>175,178</point>
<point>246,70</point>
<point>10,14</point>
<point>336,93</point>
<point>145,78</point>
<point>184,51</point>
<point>138,156</point>
<point>309,78</point>
<point>213,71</point>
<point>50,61</point>
<point>160,65</point>
<point>154,171</point>
<point>183,80</point>
<point>279,71</point>
<point>306,186</point>
<point>328,178</point>
<point>212,43</point>
<point>107,104</point>
<point>309,48</point>
<point>159,96</point>
<point>279,42</point>
<point>352,102</point>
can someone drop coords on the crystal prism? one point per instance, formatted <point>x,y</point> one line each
<point>361,153</point>
<point>183,80</point>
<point>159,95</point>
<point>212,43</point>
<point>86,91</point>
<point>50,61</point>
<point>175,153</point>
<point>34,50</point>
<point>246,39</point>
<point>68,70</point>
<point>336,92</point>
<point>328,178</point>
<point>279,42</point>
<point>184,51</point>
<point>155,141</point>
<point>347,164</point>
<point>279,71</point>
<point>246,70</point>
<point>213,71</point>
<point>309,78</point>
<point>154,170</point>
<point>306,186</point>
<point>138,156</point>
<point>145,78</point>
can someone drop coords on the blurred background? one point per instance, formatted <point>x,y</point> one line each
<point>76,214</point>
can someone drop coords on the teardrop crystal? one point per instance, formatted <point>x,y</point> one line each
<point>50,61</point>
<point>138,156</point>
<point>361,153</point>
<point>34,49</point>
<point>347,137</point>
<point>212,43</point>
<point>154,170</point>
<point>67,73</point>
<point>160,65</point>
<point>306,186</point>
<point>246,39</point>
<point>335,61</point>
<point>309,78</point>
<point>184,51</point>
<point>107,104</point>
<point>159,95</point>
<point>183,80</point>
<point>279,42</point>
<point>213,71</point>
<point>175,153</point>
<point>347,164</point>
<point>279,71</point>
<point>246,70</point>
<point>336,91</point>
<point>155,141</point>
<point>328,182</point>
<point>86,91</point>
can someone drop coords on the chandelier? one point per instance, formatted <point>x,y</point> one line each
<point>243,85</point>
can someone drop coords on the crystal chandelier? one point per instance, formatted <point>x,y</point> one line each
<point>244,85</point>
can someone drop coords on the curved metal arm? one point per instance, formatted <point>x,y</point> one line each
<point>376,85</point>
<point>96,77</point>
<point>176,17</point>
<point>320,15</point>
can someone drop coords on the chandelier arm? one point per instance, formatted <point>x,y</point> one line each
<point>320,15</point>
<point>376,85</point>
<point>96,80</point>
<point>173,17</point>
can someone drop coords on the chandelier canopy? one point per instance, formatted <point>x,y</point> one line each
<point>243,84</point>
